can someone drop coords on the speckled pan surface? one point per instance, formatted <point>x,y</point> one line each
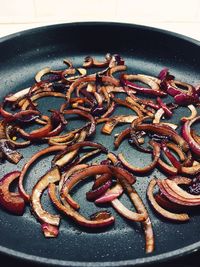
<point>145,50</point>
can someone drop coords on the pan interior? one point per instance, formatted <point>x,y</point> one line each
<point>145,51</point>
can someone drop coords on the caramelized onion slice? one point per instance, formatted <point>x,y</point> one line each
<point>49,230</point>
<point>25,168</point>
<point>158,115</point>
<point>63,157</point>
<point>94,170</point>
<point>110,194</point>
<point>186,133</point>
<point>10,131</point>
<point>51,176</point>
<point>124,134</point>
<point>20,94</point>
<point>85,115</point>
<point>193,114</point>
<point>71,151</point>
<point>39,133</point>
<point>164,130</point>
<point>39,95</point>
<point>125,212</point>
<point>165,213</point>
<point>139,205</point>
<point>176,194</point>
<point>63,179</point>
<point>74,215</point>
<point>8,152</point>
<point>114,121</point>
<point>192,170</point>
<point>11,202</point>
<point>151,166</point>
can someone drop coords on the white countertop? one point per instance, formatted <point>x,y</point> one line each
<point>179,16</point>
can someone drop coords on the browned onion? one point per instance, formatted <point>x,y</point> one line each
<point>159,209</point>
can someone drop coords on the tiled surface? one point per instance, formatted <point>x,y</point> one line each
<point>182,16</point>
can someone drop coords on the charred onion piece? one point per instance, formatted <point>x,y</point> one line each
<point>125,133</point>
<point>22,116</point>
<point>99,215</point>
<point>39,95</point>
<point>64,178</point>
<point>122,102</point>
<point>92,62</point>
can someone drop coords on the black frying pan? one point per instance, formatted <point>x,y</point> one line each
<point>146,50</point>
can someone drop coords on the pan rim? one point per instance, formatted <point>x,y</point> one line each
<point>98,23</point>
<point>136,262</point>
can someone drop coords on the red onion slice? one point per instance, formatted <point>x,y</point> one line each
<point>166,214</point>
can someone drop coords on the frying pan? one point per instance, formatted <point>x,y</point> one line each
<point>145,50</point>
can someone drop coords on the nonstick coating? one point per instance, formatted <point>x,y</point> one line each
<point>145,50</point>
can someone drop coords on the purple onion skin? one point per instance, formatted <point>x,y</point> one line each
<point>98,80</point>
<point>105,162</point>
<point>58,86</point>
<point>94,194</point>
<point>194,146</point>
<point>194,188</point>
<point>57,118</point>
<point>185,100</point>
<point>163,74</point>
<point>54,78</point>
<point>27,119</point>
<point>117,59</point>
<point>98,111</point>
<point>197,88</point>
